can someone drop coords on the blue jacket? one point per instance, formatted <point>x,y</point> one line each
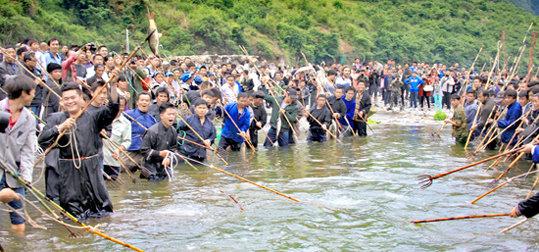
<point>414,83</point>
<point>514,111</point>
<point>206,131</point>
<point>350,108</point>
<point>229,129</point>
<point>137,132</point>
<point>535,154</point>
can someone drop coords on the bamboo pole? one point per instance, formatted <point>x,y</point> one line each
<point>496,60</point>
<point>239,131</point>
<point>498,187</point>
<point>427,179</point>
<point>87,228</point>
<point>201,138</point>
<point>513,226</point>
<point>241,178</point>
<point>294,133</point>
<point>463,217</point>
<point>99,89</point>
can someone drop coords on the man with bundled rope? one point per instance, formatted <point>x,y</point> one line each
<point>82,188</point>
<point>19,143</point>
<point>159,145</point>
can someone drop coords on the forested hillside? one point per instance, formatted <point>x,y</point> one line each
<point>325,30</point>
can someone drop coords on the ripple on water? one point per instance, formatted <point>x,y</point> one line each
<point>358,195</point>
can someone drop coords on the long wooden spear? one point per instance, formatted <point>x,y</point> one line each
<point>240,178</point>
<point>39,194</point>
<point>179,137</point>
<point>508,80</point>
<point>500,186</point>
<point>480,104</point>
<point>513,226</point>
<point>491,129</point>
<point>99,89</point>
<point>530,193</point>
<point>40,81</point>
<point>463,217</point>
<point>202,139</point>
<point>426,180</point>
<point>294,133</point>
<point>239,131</point>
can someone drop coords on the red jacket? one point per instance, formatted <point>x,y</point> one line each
<point>69,69</point>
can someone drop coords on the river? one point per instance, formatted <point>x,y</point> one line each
<point>360,194</point>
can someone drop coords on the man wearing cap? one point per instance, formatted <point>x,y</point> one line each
<point>32,71</point>
<point>259,117</point>
<point>51,102</point>
<point>514,111</point>
<point>18,143</point>
<point>458,121</point>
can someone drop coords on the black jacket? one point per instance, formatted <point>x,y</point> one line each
<point>7,70</point>
<point>156,139</point>
<point>529,207</point>
<point>260,115</point>
<point>323,116</point>
<point>337,105</point>
<point>364,106</point>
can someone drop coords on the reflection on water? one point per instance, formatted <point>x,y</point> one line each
<point>357,195</point>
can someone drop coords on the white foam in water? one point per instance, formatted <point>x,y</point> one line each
<point>183,211</point>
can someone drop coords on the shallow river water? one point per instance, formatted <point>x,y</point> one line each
<point>357,195</point>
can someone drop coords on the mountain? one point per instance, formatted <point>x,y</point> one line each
<point>324,30</point>
<point>529,5</point>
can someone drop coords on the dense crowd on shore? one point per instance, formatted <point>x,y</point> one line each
<point>90,114</point>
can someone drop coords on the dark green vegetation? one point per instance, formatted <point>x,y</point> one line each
<point>433,31</point>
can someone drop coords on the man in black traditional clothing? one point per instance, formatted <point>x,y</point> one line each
<point>82,190</point>
<point>361,111</point>
<point>259,117</point>
<point>319,119</point>
<point>159,145</point>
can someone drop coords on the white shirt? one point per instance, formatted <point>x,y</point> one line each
<point>121,135</point>
<point>230,94</point>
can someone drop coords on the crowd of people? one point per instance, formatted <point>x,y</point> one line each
<point>91,114</point>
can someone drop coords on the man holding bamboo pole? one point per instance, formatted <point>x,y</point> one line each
<point>488,105</point>
<point>284,109</point>
<point>197,128</point>
<point>236,124</point>
<point>529,207</point>
<point>458,121</point>
<point>82,188</point>
<point>514,111</point>
<point>141,120</point>
<point>319,118</point>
